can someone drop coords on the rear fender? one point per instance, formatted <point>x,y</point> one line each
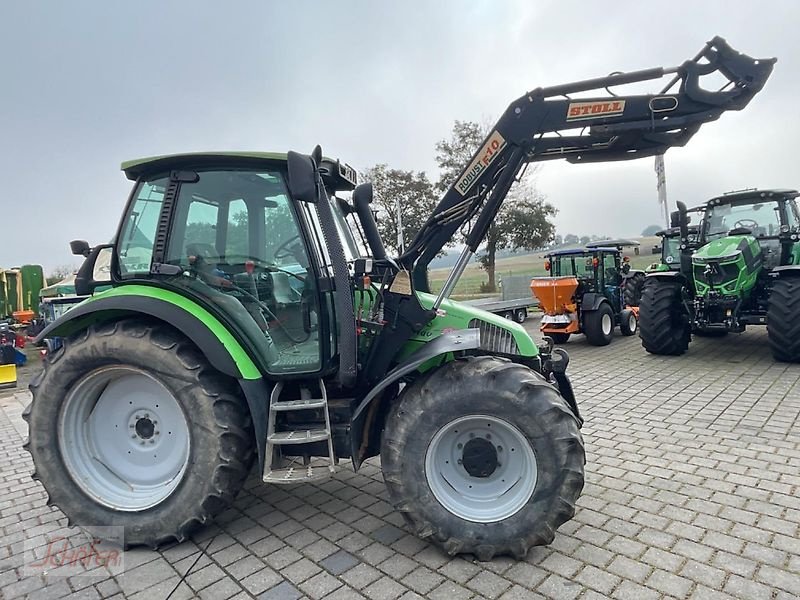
<point>454,341</point>
<point>219,346</point>
<point>591,301</point>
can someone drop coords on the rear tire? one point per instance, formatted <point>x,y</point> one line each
<point>628,323</point>
<point>663,323</point>
<point>783,319</point>
<point>559,338</point>
<point>598,325</point>
<point>170,458</point>
<point>520,315</point>
<point>632,293</point>
<point>526,465</point>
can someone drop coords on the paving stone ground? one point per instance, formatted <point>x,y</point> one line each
<point>692,491</point>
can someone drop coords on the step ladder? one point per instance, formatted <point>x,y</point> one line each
<point>297,469</point>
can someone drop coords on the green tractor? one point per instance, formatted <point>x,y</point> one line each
<point>670,249</point>
<point>255,317</point>
<point>742,269</point>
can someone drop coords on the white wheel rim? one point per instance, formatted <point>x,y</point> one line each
<point>489,497</point>
<point>124,438</point>
<point>606,324</point>
<point>632,322</point>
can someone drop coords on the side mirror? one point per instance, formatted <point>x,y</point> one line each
<point>85,281</point>
<point>302,177</point>
<point>80,248</point>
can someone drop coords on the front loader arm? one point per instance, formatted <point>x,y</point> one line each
<point>548,124</point>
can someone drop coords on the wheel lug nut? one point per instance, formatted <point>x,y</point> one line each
<point>133,436</point>
<point>142,442</point>
<point>488,436</point>
<point>459,461</point>
<point>471,435</point>
<point>499,448</point>
<point>157,432</point>
<point>460,446</point>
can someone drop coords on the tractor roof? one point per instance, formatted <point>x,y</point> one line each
<point>676,231</point>
<point>336,175</point>
<point>613,244</point>
<point>141,166</point>
<point>747,194</point>
<point>575,251</point>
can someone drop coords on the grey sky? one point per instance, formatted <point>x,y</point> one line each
<point>86,85</point>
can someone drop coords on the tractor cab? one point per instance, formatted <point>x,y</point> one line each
<point>671,243</point>
<point>589,291</point>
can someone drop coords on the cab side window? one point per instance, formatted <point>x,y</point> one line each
<point>135,248</point>
<point>610,270</point>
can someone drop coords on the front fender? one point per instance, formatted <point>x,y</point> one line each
<point>786,271</point>
<point>454,341</point>
<point>219,346</point>
<point>671,275</point>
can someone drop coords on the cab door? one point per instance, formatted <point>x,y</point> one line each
<point>612,279</point>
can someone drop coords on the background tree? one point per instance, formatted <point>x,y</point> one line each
<point>524,220</point>
<point>651,230</point>
<point>58,273</point>
<point>571,238</point>
<point>412,191</point>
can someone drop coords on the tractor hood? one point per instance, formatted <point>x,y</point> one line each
<point>729,265</point>
<point>497,334</point>
<point>724,249</point>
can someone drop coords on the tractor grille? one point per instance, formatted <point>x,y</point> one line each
<point>494,338</point>
<point>725,273</point>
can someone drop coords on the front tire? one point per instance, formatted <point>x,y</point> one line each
<point>483,456</point>
<point>628,323</point>
<point>663,323</point>
<point>598,325</point>
<point>783,320</point>
<point>131,427</point>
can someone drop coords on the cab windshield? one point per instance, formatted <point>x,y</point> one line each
<point>761,218</point>
<point>671,250</point>
<point>575,265</point>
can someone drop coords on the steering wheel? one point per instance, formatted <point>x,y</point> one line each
<point>283,250</point>
<point>746,224</point>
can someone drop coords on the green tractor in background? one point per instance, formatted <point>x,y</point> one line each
<point>670,249</point>
<point>742,269</point>
<point>255,316</point>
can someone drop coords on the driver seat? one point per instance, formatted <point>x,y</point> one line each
<point>282,289</point>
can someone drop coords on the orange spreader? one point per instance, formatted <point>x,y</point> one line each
<point>555,294</point>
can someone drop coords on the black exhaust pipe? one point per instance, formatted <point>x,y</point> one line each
<point>362,198</point>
